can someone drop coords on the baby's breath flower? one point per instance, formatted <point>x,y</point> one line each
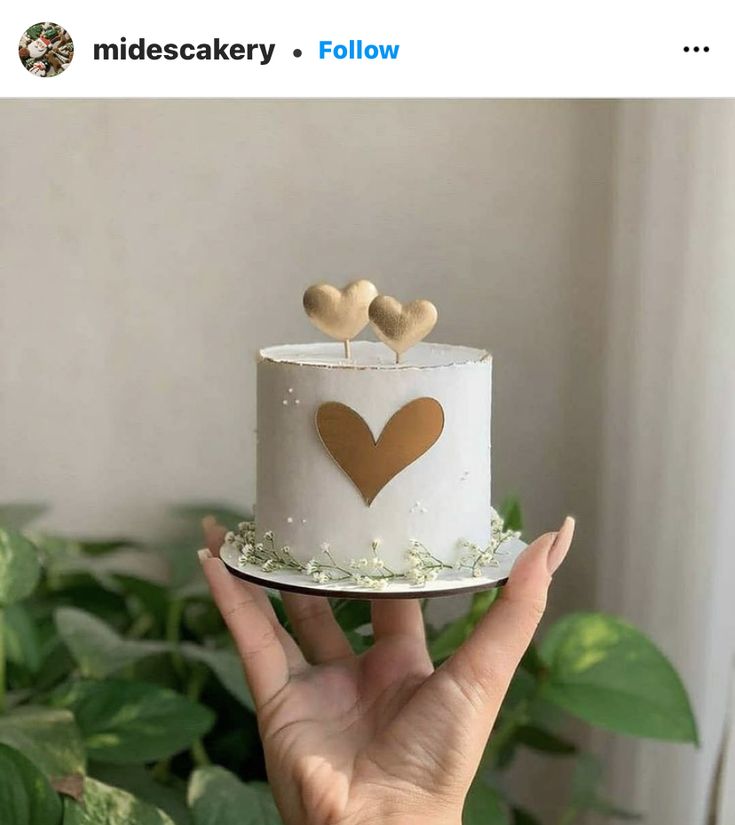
<point>378,563</point>
<point>311,566</point>
<point>268,535</point>
<point>230,537</point>
<point>375,544</point>
<point>324,547</point>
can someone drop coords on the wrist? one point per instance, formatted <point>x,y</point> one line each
<point>403,817</point>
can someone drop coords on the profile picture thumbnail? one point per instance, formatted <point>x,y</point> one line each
<point>46,49</point>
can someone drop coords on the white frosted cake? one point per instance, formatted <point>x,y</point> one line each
<point>364,458</point>
<point>373,458</point>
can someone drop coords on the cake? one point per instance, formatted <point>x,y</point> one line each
<point>372,468</point>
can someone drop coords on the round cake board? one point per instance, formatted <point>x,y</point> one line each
<point>448,583</point>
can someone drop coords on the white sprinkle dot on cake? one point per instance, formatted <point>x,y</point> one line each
<point>290,520</point>
<point>290,389</point>
<point>297,401</point>
<point>285,402</point>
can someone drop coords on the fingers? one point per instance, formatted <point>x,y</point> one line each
<point>484,665</point>
<point>268,653</point>
<point>214,535</point>
<point>398,617</point>
<point>320,636</point>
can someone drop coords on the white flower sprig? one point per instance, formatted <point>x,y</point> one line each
<point>366,571</point>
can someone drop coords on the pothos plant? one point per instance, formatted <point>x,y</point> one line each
<point>122,699</point>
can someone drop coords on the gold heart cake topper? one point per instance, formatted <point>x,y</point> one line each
<point>371,464</point>
<point>340,313</point>
<point>400,326</point>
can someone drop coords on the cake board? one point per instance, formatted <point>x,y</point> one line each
<point>448,583</point>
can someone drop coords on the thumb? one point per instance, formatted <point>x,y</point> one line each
<point>484,665</point>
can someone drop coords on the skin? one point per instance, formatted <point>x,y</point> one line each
<point>383,737</point>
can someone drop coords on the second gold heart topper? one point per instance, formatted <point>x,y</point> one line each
<point>400,326</point>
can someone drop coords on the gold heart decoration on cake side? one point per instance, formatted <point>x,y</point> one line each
<point>400,326</point>
<point>371,464</point>
<point>340,313</point>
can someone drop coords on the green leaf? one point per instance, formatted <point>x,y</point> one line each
<point>196,511</point>
<point>586,790</point>
<point>26,797</point>
<point>139,564</point>
<point>539,739</point>
<point>19,567</point>
<point>49,737</point>
<point>452,635</point>
<point>96,647</point>
<point>522,817</point>
<point>217,797</point>
<point>97,547</point>
<point>484,806</point>
<point>450,638</point>
<point>510,510</point>
<point>134,722</point>
<point>609,674</point>
<point>21,514</point>
<point>351,613</point>
<point>138,781</point>
<point>105,805</point>
<point>22,644</point>
<point>226,666</point>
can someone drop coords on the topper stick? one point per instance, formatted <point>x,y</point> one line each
<point>348,353</point>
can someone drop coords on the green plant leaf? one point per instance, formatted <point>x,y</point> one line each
<point>609,674</point>
<point>134,722</point>
<point>139,564</point>
<point>522,817</point>
<point>217,797</point>
<point>586,783</point>
<point>21,514</point>
<point>26,797</point>
<point>510,510</point>
<point>452,635</point>
<point>138,781</point>
<point>22,644</point>
<point>49,737</point>
<point>542,740</point>
<point>449,638</point>
<point>19,567</point>
<point>97,547</point>
<point>105,805</point>
<point>196,511</point>
<point>351,613</point>
<point>96,647</point>
<point>226,666</point>
<point>484,806</point>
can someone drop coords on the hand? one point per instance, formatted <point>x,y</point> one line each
<point>381,737</point>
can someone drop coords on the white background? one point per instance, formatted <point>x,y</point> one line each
<point>470,49</point>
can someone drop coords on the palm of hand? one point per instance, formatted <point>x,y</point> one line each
<point>337,731</point>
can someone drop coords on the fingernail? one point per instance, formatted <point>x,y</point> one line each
<point>204,554</point>
<point>558,550</point>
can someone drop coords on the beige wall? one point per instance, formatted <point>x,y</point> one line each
<point>150,246</point>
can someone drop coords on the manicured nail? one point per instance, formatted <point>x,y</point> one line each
<point>204,554</point>
<point>558,550</point>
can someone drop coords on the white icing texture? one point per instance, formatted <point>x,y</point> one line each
<point>440,499</point>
